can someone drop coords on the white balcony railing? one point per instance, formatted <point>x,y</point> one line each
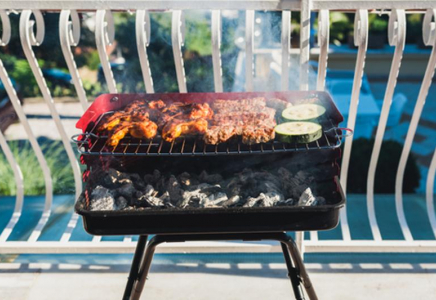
<point>32,34</point>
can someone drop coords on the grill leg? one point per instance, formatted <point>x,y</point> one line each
<point>133,275</point>
<point>292,274</point>
<point>300,270</point>
<point>145,266</point>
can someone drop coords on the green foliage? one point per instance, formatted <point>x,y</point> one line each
<point>340,27</point>
<point>414,28</point>
<point>386,168</point>
<point>377,24</point>
<point>20,71</point>
<point>61,172</point>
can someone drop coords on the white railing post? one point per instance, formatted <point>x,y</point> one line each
<point>249,48</point>
<point>430,192</point>
<point>286,48</point>
<point>19,185</point>
<point>361,41</point>
<point>12,94</point>
<point>104,36</point>
<point>429,39</point>
<point>397,38</point>
<point>216,51</point>
<point>306,9</point>
<point>143,32</point>
<point>69,35</point>
<point>323,43</point>
<point>28,39</point>
<point>177,39</point>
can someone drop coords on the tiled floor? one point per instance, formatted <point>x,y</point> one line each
<point>218,281</point>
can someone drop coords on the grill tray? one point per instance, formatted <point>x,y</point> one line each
<point>90,143</point>
<point>214,220</point>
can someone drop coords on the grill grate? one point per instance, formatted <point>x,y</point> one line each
<point>90,143</point>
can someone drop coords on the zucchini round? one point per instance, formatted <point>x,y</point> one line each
<point>303,112</point>
<point>298,132</point>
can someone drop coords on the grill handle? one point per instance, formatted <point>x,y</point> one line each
<point>82,138</point>
<point>334,131</point>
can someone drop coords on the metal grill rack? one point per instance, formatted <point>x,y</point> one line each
<point>89,143</point>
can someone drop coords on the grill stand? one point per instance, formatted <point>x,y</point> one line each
<point>144,255</point>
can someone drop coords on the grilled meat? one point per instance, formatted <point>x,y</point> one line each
<point>200,110</point>
<point>237,105</point>
<point>249,118</point>
<point>179,127</point>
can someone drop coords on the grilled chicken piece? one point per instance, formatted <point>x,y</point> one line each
<point>146,129</point>
<point>141,129</point>
<point>201,110</point>
<point>177,127</point>
<point>119,133</point>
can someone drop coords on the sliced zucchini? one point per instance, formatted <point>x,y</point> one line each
<point>298,132</point>
<point>303,112</point>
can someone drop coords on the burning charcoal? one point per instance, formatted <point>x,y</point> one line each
<point>126,190</point>
<point>319,201</point>
<point>186,180</point>
<point>215,200</point>
<point>295,185</point>
<point>212,178</point>
<point>151,201</point>
<point>149,191</point>
<point>307,198</point>
<point>165,197</point>
<point>121,203</point>
<point>203,195</point>
<point>113,177</point>
<point>287,202</point>
<point>135,177</point>
<point>233,201</point>
<point>102,199</point>
<point>174,189</point>
<point>264,200</point>
<point>137,181</point>
<point>152,178</point>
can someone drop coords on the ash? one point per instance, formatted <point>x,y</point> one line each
<point>116,190</point>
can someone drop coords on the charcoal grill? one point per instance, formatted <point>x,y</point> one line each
<point>170,225</point>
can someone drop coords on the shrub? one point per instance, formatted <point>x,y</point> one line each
<point>386,168</point>
<point>61,172</point>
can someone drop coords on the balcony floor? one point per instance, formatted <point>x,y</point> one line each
<point>216,277</point>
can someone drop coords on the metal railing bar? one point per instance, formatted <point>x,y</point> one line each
<point>69,35</point>
<point>430,193</point>
<point>216,32</point>
<point>306,6</point>
<point>28,39</point>
<point>286,47</point>
<point>323,43</point>
<point>177,39</point>
<point>13,98</point>
<point>397,38</point>
<point>104,36</point>
<point>324,246</point>
<point>18,176</point>
<point>360,40</point>
<point>249,47</point>
<point>429,39</point>
<point>117,5</point>
<point>143,32</point>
